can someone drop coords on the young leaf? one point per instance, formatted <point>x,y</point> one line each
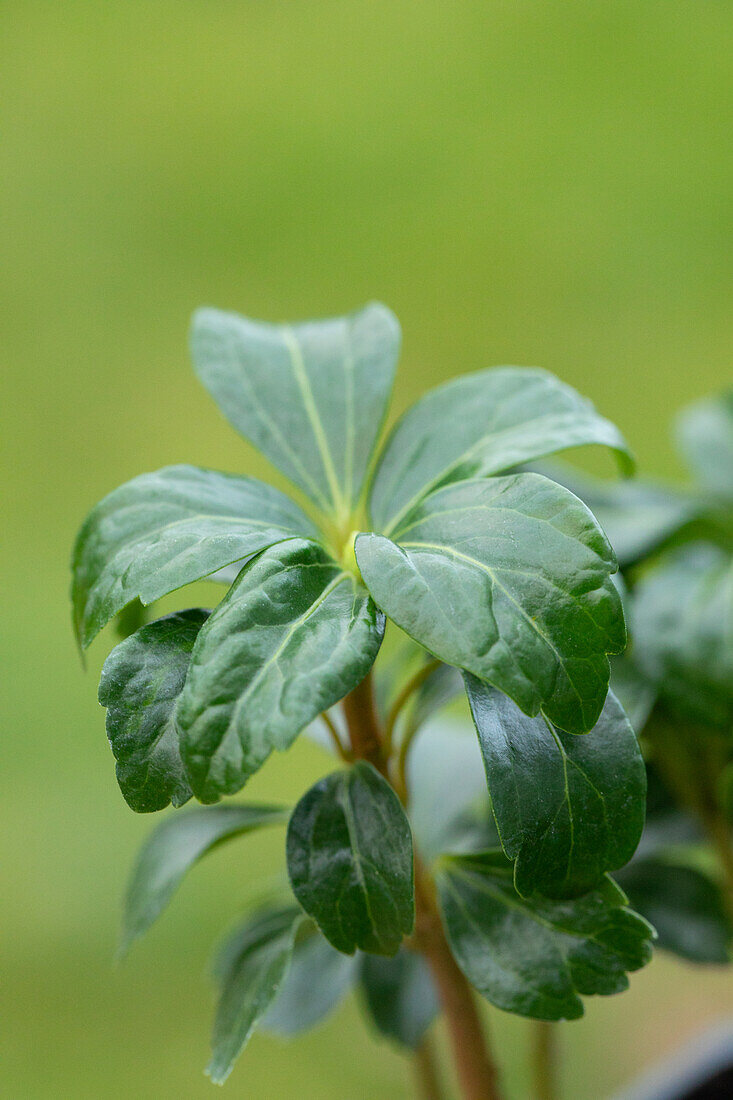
<point>141,681</point>
<point>319,977</point>
<point>258,959</point>
<point>537,957</point>
<point>685,906</point>
<point>311,397</point>
<point>507,578</point>
<point>481,424</point>
<point>349,853</point>
<point>705,434</point>
<point>163,530</point>
<point>568,808</point>
<point>683,626</point>
<point>400,996</point>
<point>292,636</point>
<point>173,848</point>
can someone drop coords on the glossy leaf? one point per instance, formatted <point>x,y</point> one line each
<point>537,957</point>
<point>163,530</point>
<point>311,397</point>
<point>173,848</point>
<point>400,996</point>
<point>483,423</point>
<point>638,517</point>
<point>349,853</point>
<point>257,962</point>
<point>683,632</point>
<point>141,681</point>
<point>685,906</point>
<point>507,578</point>
<point>705,434</point>
<point>318,978</point>
<point>293,635</point>
<point>568,808</point>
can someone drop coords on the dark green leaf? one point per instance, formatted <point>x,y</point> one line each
<point>705,433</point>
<point>685,906</point>
<point>319,977</point>
<point>507,578</point>
<point>173,848</point>
<point>480,424</point>
<point>292,636</point>
<point>568,808</point>
<point>533,956</point>
<point>311,397</point>
<point>683,632</point>
<point>400,996</point>
<point>257,962</point>
<point>141,681</point>
<point>163,530</point>
<point>349,854</point>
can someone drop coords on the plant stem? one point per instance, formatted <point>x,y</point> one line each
<point>427,1078</point>
<point>544,1060</point>
<point>335,737</point>
<point>475,1068</point>
<point>406,692</point>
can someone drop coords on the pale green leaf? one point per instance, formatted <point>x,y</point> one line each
<point>399,995</point>
<point>480,424</point>
<point>311,396</point>
<point>705,434</point>
<point>173,848</point>
<point>163,530</point>
<point>318,978</point>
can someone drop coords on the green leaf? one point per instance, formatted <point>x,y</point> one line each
<point>443,685</point>
<point>537,957</point>
<point>257,962</point>
<point>638,517</point>
<point>685,906</point>
<point>319,977</point>
<point>510,579</point>
<point>705,434</point>
<point>312,397</point>
<point>163,530</point>
<point>683,632</point>
<point>483,423</point>
<point>141,681</point>
<point>292,636</point>
<point>349,853</point>
<point>173,848</point>
<point>568,808</point>
<point>633,689</point>
<point>400,996</point>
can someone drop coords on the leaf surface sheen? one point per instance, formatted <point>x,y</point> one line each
<point>163,530</point>
<point>481,424</point>
<point>508,578</point>
<point>568,808</point>
<point>257,964</point>
<point>173,848</point>
<point>141,682</point>
<point>349,851</point>
<point>312,397</point>
<point>537,957</point>
<point>293,635</point>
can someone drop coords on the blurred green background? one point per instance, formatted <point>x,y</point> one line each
<point>528,183</point>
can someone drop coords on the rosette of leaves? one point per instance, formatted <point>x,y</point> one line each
<point>498,576</point>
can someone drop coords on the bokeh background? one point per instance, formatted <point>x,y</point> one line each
<point>523,183</point>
